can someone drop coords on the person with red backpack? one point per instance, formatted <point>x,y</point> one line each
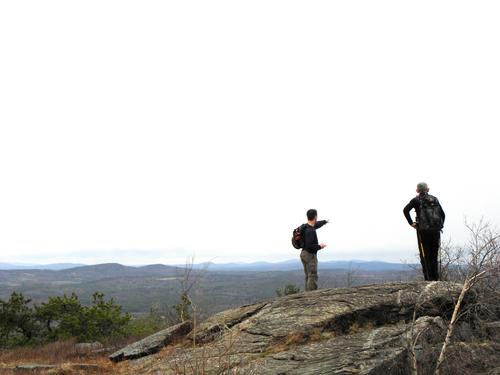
<point>305,238</point>
<point>429,222</point>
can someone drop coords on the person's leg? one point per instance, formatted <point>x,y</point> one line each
<point>421,253</point>
<point>430,242</point>
<point>432,264</point>
<point>304,259</point>
<point>313,272</point>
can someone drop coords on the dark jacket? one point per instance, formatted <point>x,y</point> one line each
<point>415,204</point>
<point>311,243</point>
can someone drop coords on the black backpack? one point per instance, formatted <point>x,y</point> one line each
<point>430,218</point>
<point>298,237</point>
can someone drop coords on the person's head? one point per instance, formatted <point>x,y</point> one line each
<point>422,188</point>
<point>312,216</point>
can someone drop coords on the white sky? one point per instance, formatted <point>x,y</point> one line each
<point>147,131</point>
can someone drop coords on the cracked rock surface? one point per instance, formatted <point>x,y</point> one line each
<point>361,330</point>
<point>152,344</point>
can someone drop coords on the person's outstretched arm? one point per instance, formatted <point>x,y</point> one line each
<point>320,223</point>
<point>407,210</point>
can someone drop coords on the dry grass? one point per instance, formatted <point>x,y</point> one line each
<point>183,357</point>
<point>316,335</point>
<point>361,327</point>
<point>63,354</point>
<point>297,338</point>
<point>53,353</point>
<point>289,341</point>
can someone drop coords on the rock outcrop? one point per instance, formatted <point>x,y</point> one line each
<point>364,330</point>
<point>153,343</point>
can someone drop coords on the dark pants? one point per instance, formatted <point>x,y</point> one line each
<point>310,263</point>
<point>428,246</point>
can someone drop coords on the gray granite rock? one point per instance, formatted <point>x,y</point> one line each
<point>331,331</point>
<point>153,343</point>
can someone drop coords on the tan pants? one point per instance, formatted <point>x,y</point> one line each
<point>310,263</point>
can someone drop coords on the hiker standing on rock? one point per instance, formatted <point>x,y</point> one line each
<point>310,248</point>
<point>428,223</point>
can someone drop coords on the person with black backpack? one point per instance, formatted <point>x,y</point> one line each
<point>429,223</point>
<point>305,238</point>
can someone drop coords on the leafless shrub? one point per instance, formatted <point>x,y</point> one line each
<point>218,358</point>
<point>351,275</point>
<point>475,265</point>
<point>189,279</point>
<point>479,264</point>
<point>451,261</point>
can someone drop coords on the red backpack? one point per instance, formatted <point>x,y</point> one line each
<point>298,237</point>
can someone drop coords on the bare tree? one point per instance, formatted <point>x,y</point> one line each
<point>475,265</point>
<point>351,275</point>
<point>451,262</point>
<point>189,279</point>
<point>222,358</point>
<point>478,263</point>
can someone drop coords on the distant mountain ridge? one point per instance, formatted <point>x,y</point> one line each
<point>288,265</point>
<point>138,288</point>
<point>29,266</point>
<point>291,265</point>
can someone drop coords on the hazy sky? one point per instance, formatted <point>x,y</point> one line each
<point>148,131</point>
